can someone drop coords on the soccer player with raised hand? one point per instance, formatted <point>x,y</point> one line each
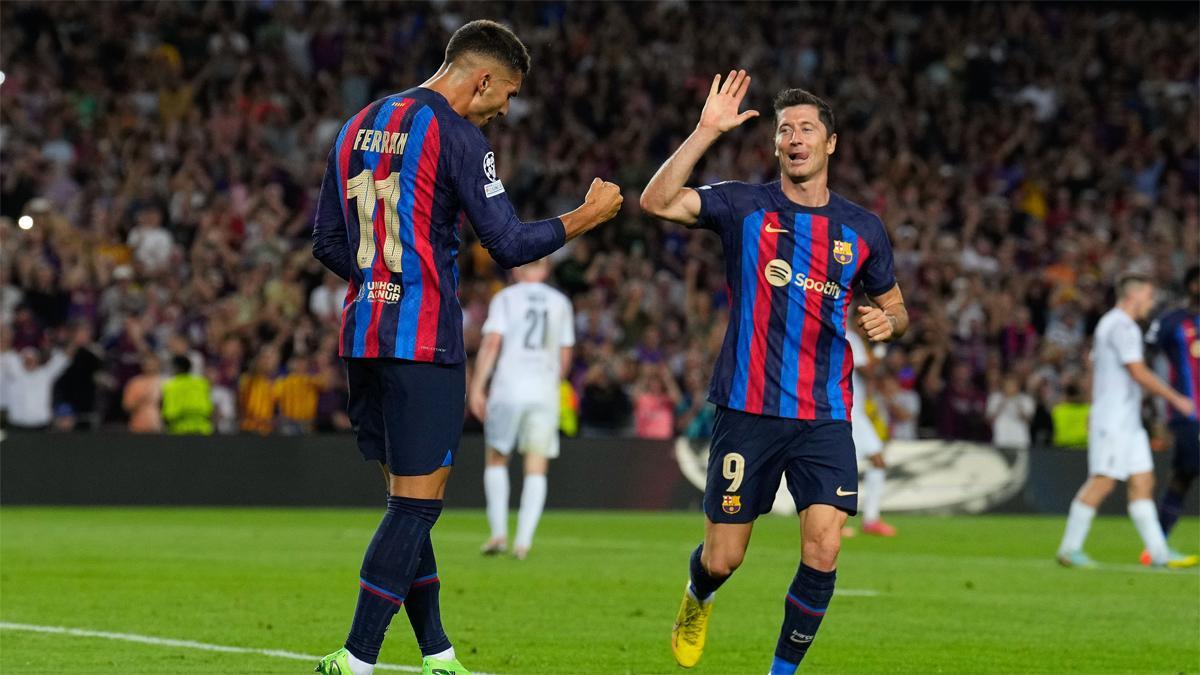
<point>795,252</point>
<point>401,173</point>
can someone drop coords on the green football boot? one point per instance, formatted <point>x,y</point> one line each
<point>432,666</point>
<point>337,663</point>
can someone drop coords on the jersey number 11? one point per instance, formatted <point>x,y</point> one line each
<point>367,193</point>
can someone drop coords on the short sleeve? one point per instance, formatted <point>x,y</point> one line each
<point>497,320</point>
<point>1127,340</point>
<point>567,338</point>
<point>878,274</point>
<point>716,206</point>
<point>1154,334</point>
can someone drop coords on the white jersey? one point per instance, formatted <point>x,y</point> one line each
<point>1116,398</point>
<point>866,439</point>
<point>861,360</point>
<point>535,322</point>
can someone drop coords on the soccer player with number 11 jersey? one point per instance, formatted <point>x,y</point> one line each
<point>401,174</point>
<point>795,252</point>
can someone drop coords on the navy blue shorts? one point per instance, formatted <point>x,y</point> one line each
<point>750,453</point>
<point>1187,445</point>
<point>407,414</point>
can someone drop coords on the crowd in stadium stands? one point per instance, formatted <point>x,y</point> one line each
<point>1021,155</point>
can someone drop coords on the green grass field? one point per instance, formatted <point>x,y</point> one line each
<point>598,595</point>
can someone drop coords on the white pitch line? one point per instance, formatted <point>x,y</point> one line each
<point>856,592</point>
<point>185,644</point>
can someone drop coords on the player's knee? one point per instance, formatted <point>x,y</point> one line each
<point>723,563</point>
<point>821,554</point>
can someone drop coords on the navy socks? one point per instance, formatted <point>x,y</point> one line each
<point>388,570</point>
<point>703,584</point>
<point>423,607</point>
<point>807,599</point>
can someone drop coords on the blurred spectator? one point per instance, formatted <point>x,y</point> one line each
<point>186,404</point>
<point>331,403</point>
<point>151,242</point>
<point>655,397</point>
<point>903,408</point>
<point>256,393</point>
<point>76,391</point>
<point>1010,412</point>
<point>297,394</point>
<point>604,406</point>
<point>1070,418</point>
<point>142,398</point>
<point>694,414</point>
<point>224,402</point>
<point>325,301</point>
<point>961,407</point>
<point>30,383</point>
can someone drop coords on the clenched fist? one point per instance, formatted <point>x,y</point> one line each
<point>605,198</point>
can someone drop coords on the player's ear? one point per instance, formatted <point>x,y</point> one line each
<point>830,144</point>
<point>483,82</point>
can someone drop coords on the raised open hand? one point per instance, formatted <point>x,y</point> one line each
<point>720,112</point>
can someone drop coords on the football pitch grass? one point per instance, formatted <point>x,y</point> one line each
<point>597,595</point>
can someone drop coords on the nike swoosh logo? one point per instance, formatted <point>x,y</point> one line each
<point>774,230</point>
<point>842,493</point>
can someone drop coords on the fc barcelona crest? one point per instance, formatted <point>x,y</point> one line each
<point>731,504</point>
<point>843,252</point>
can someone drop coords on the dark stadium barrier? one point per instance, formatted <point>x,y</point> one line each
<point>318,470</point>
<point>326,470</point>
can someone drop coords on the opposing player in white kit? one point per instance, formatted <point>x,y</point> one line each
<point>1118,445</point>
<point>527,338</point>
<point>867,444</point>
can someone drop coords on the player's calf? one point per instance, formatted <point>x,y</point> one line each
<point>803,609</point>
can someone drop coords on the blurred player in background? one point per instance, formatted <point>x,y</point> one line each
<point>794,253</point>
<point>1177,335</point>
<point>400,174</point>
<point>867,443</point>
<point>1118,445</point>
<point>527,342</point>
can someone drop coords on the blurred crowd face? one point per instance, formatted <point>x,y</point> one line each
<point>802,144</point>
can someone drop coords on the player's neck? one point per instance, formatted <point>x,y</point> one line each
<point>1127,308</point>
<point>813,192</point>
<point>457,90</point>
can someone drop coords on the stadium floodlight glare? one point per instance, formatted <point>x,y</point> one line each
<point>1,77</point>
<point>25,222</point>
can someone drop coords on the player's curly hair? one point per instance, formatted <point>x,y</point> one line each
<point>790,97</point>
<point>490,39</point>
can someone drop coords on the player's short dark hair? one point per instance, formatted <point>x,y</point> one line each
<point>1128,280</point>
<point>181,364</point>
<point>790,97</point>
<point>491,39</point>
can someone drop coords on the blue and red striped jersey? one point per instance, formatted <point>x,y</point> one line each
<point>791,270</point>
<point>401,175</point>
<point>1177,335</point>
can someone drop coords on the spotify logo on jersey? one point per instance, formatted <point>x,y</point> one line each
<point>779,272</point>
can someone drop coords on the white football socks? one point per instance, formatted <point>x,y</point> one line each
<point>1145,519</point>
<point>495,489</point>
<point>358,667</point>
<point>533,500</point>
<point>443,656</point>
<point>872,493</point>
<point>1079,521</point>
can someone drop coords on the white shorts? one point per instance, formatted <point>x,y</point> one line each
<point>529,427</point>
<point>866,439</point>
<point>1119,453</point>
